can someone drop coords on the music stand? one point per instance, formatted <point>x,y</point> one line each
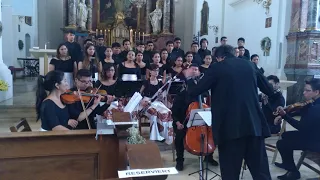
<point>175,87</point>
<point>202,117</point>
<point>127,88</point>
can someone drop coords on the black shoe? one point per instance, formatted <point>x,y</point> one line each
<point>290,176</point>
<point>280,165</point>
<point>211,161</point>
<point>179,166</point>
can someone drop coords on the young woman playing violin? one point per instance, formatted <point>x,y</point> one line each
<point>53,113</point>
<point>83,82</point>
<point>307,136</point>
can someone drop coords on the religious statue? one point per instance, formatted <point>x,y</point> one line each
<point>204,19</point>
<point>266,46</point>
<point>82,15</point>
<point>155,18</point>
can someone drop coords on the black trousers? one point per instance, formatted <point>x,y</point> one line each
<point>252,150</point>
<point>293,140</point>
<point>179,144</point>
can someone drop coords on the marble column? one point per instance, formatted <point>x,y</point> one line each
<point>89,22</point>
<point>148,10</point>
<point>313,14</point>
<point>166,17</point>
<point>72,13</point>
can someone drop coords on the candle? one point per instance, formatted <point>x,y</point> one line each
<point>131,36</point>
<point>96,32</point>
<point>100,31</point>
<point>139,36</point>
<point>143,37</point>
<point>135,36</point>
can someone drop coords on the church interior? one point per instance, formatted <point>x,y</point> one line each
<point>88,88</point>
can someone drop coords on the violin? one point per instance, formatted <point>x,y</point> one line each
<point>71,97</point>
<point>294,107</point>
<point>192,141</point>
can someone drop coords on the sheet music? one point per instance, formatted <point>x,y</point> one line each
<point>132,104</point>
<point>196,119</point>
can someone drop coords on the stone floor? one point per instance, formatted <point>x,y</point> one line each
<point>24,95</point>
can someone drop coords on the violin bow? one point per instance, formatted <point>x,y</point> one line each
<point>84,109</point>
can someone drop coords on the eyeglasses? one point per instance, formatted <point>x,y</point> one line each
<point>85,82</point>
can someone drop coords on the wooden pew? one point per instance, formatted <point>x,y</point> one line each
<point>64,155</point>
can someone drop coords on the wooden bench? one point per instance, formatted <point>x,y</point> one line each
<point>63,155</point>
<point>313,156</point>
<point>14,71</point>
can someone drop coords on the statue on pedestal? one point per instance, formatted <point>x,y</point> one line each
<point>155,18</point>
<point>72,15</point>
<point>82,15</point>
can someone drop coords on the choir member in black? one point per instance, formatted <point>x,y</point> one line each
<point>180,106</point>
<point>241,42</point>
<point>169,47</point>
<point>149,50</point>
<point>116,50</point>
<point>142,65</point>
<point>238,124</point>
<point>255,60</point>
<point>236,52</point>
<point>307,135</point>
<point>188,59</point>
<point>108,79</point>
<point>126,48</point>
<point>177,51</point>
<point>203,51</point>
<point>90,61</point>
<point>87,42</point>
<point>164,60</point>
<point>196,57</point>
<point>152,85</point>
<point>50,109</point>
<point>141,48</point>
<point>223,40</point>
<point>100,47</point>
<point>108,58</point>
<point>162,68</point>
<point>207,62</point>
<point>242,52</point>
<point>74,48</point>
<point>177,67</point>
<point>270,106</point>
<point>63,62</point>
<point>83,82</point>
<point>129,66</point>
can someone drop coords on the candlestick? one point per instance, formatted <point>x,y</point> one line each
<point>143,37</point>
<point>139,36</point>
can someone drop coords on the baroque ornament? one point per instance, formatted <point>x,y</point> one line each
<point>266,46</point>
<point>20,44</point>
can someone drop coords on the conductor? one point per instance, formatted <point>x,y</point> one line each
<point>238,124</point>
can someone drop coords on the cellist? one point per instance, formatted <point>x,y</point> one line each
<point>179,108</point>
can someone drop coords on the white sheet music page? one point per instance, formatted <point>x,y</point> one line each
<point>133,103</point>
<point>196,119</point>
<point>206,116</point>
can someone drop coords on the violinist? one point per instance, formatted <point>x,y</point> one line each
<point>307,135</point>
<point>83,81</point>
<point>179,109</point>
<point>53,113</point>
<point>270,105</point>
<point>238,124</point>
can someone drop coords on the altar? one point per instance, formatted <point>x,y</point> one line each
<point>117,20</point>
<point>45,56</point>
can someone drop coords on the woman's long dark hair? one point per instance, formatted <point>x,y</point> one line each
<point>86,60</point>
<point>46,83</point>
<point>58,50</point>
<point>106,67</point>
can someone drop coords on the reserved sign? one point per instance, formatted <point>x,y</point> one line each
<point>147,172</point>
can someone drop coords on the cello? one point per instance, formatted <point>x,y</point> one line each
<point>196,134</point>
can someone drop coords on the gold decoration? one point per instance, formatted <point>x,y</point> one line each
<point>265,3</point>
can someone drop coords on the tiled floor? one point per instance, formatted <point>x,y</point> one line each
<point>24,94</point>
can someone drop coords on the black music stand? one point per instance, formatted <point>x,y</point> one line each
<point>127,88</point>
<point>197,120</point>
<point>175,87</point>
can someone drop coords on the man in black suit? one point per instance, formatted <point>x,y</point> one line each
<point>238,124</point>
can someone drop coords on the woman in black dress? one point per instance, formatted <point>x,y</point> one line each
<point>177,67</point>
<point>142,65</point>
<point>108,79</point>
<point>63,62</point>
<point>108,60</point>
<point>188,59</point>
<point>129,66</point>
<point>207,62</point>
<point>90,59</point>
<point>162,68</point>
<point>53,113</point>
<point>151,85</point>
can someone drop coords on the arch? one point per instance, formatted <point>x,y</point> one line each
<point>28,44</point>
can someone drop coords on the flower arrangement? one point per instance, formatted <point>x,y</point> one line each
<point>3,85</point>
<point>135,137</point>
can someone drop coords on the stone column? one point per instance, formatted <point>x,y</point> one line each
<point>72,15</point>
<point>89,22</point>
<point>148,10</point>
<point>166,17</point>
<point>312,18</point>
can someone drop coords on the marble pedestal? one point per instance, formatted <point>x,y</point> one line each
<point>284,85</point>
<point>5,74</point>
<point>45,56</point>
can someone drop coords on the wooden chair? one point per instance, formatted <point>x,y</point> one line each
<point>313,156</point>
<point>22,124</point>
<point>273,148</point>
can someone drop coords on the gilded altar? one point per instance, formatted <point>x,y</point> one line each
<point>116,20</point>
